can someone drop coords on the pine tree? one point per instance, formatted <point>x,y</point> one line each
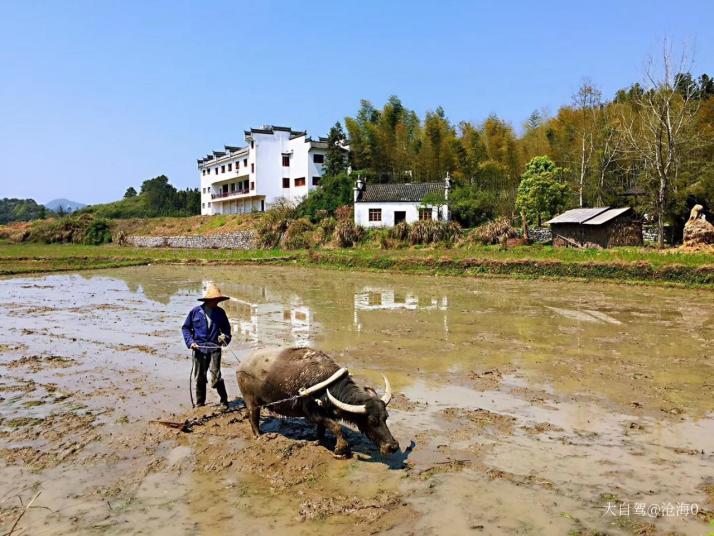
<point>335,159</point>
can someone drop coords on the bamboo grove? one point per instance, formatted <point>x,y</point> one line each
<point>651,146</point>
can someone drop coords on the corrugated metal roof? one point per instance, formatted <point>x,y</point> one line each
<point>578,215</point>
<point>374,193</point>
<point>606,216</point>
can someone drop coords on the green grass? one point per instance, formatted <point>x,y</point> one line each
<point>621,264</point>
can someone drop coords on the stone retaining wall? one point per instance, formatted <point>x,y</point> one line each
<point>540,234</point>
<point>238,240</point>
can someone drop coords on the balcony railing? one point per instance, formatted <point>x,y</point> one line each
<point>220,195</point>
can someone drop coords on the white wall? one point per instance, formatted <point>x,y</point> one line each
<point>267,157</point>
<point>388,210</point>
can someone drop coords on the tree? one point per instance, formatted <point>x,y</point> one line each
<point>335,159</point>
<point>160,195</point>
<point>436,200</point>
<point>471,206</point>
<point>334,191</point>
<point>540,193</point>
<point>587,101</point>
<point>663,133</point>
<point>130,192</point>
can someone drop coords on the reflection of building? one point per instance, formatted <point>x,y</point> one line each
<point>258,317</point>
<point>386,299</point>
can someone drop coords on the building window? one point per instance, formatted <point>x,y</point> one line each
<point>318,158</point>
<point>245,162</point>
<point>252,168</point>
<point>203,205</point>
<point>209,204</point>
<point>252,144</point>
<point>424,213</point>
<point>286,161</point>
<point>300,181</point>
<point>315,181</point>
<point>375,214</point>
<point>252,186</point>
<point>230,167</point>
<point>216,169</point>
<point>286,182</point>
<point>223,169</point>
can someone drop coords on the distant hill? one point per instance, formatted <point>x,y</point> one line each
<point>66,204</point>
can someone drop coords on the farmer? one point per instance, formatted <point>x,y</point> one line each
<point>205,330</point>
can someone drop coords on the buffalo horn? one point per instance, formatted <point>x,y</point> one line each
<point>350,408</point>
<point>387,396</point>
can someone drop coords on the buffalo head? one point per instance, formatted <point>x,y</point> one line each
<point>371,417</point>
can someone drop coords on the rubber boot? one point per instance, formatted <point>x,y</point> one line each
<point>200,394</point>
<point>221,388</point>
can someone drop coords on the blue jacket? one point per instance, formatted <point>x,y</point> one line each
<point>195,328</point>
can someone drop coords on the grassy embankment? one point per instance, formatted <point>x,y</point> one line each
<point>640,265</point>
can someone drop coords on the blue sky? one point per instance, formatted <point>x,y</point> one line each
<point>96,96</point>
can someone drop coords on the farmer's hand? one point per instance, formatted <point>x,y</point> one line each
<point>194,346</point>
<point>222,339</point>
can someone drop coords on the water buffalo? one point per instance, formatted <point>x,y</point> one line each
<point>273,374</point>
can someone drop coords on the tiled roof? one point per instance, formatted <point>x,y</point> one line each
<point>407,192</point>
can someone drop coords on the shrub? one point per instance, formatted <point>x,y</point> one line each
<point>98,233</point>
<point>400,231</point>
<point>298,234</point>
<point>332,193</point>
<point>273,224</point>
<point>323,232</point>
<point>69,229</point>
<point>347,234</point>
<point>471,206</point>
<point>345,212</point>
<point>492,232</point>
<point>430,232</point>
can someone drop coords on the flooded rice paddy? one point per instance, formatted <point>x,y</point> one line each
<point>522,407</point>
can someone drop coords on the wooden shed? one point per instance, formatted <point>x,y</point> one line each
<point>602,227</point>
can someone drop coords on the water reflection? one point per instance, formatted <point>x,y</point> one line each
<point>393,299</point>
<point>257,316</point>
<point>567,335</point>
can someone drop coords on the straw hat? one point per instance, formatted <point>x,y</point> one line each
<point>213,293</point>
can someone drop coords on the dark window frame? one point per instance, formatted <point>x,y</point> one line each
<point>426,214</point>
<point>300,181</point>
<point>286,182</point>
<point>316,180</point>
<point>318,158</point>
<point>286,161</point>
<point>375,214</point>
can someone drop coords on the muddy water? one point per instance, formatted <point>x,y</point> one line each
<point>522,407</point>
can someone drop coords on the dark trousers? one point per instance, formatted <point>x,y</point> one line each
<point>207,368</point>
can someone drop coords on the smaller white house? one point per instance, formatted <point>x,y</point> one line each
<point>386,205</point>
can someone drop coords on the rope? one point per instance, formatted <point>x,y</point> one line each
<point>217,347</point>
<point>301,392</point>
<point>190,381</point>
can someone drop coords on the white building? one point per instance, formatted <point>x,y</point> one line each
<point>276,163</point>
<point>385,205</point>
